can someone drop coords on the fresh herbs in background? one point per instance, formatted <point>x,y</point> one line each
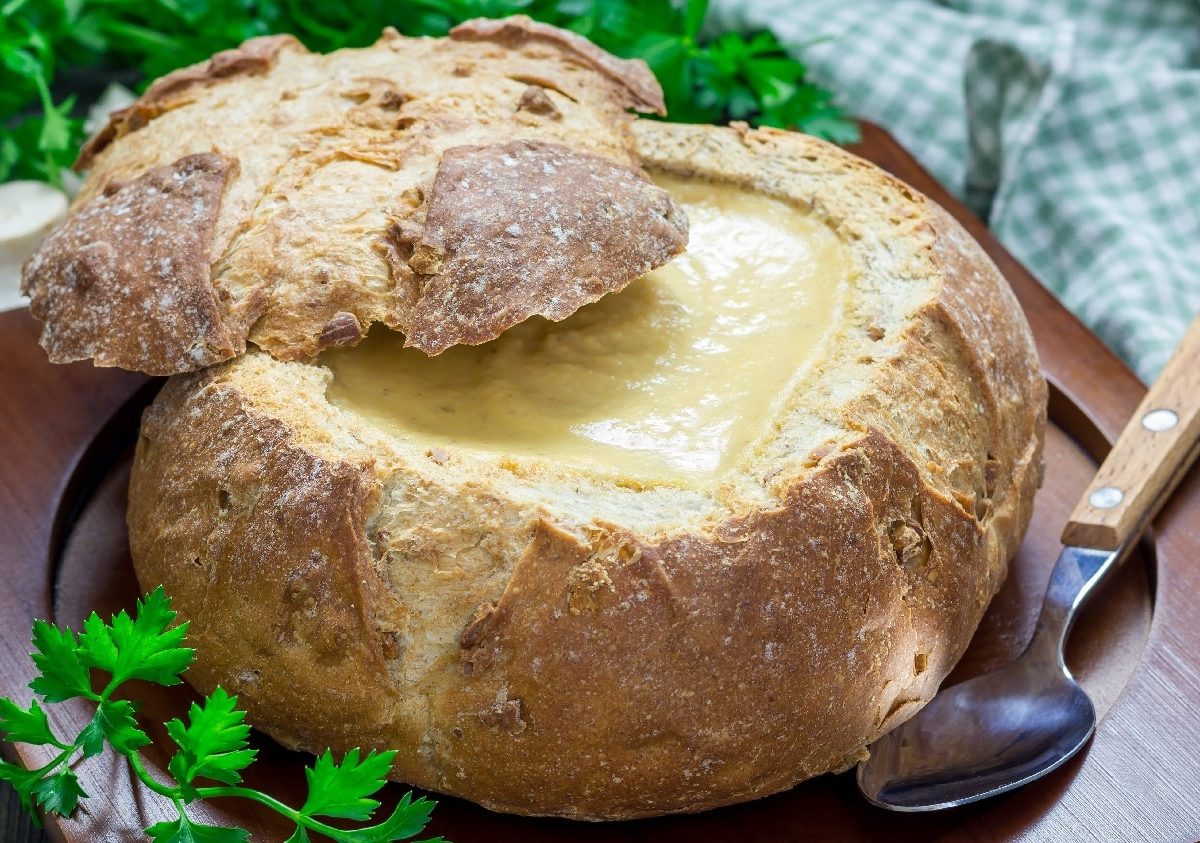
<point>212,744</point>
<point>732,77</point>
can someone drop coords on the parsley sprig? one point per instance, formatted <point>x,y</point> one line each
<point>732,77</point>
<point>212,745</point>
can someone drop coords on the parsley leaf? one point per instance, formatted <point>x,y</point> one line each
<point>63,676</point>
<point>91,739</point>
<point>113,721</point>
<point>23,782</point>
<point>409,819</point>
<point>184,830</point>
<point>59,793</point>
<point>213,744</point>
<point>56,135</point>
<point>21,725</point>
<point>342,790</point>
<point>141,647</point>
<point>10,157</point>
<point>116,722</point>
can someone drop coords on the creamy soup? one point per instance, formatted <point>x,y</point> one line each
<point>671,378</point>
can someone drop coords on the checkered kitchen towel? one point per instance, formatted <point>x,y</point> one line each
<point>1071,126</point>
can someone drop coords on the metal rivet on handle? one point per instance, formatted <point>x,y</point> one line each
<point>1106,497</point>
<point>1159,420</point>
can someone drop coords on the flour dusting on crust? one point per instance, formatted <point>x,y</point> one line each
<point>527,228</point>
<point>125,280</point>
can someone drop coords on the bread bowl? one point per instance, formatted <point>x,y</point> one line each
<point>622,629</point>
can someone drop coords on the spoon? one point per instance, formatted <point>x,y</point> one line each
<point>996,732</point>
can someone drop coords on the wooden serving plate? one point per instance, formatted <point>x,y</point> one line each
<point>63,471</point>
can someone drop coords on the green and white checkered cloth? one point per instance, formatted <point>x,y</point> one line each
<point>1071,126</point>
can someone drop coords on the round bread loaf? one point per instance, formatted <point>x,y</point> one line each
<point>544,632</point>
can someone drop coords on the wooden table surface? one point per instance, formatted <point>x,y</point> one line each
<point>15,825</point>
<point>1120,788</point>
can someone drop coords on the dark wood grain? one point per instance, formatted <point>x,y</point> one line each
<point>15,824</point>
<point>1139,779</point>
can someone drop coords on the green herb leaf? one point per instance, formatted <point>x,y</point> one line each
<point>184,830</point>
<point>60,793</point>
<point>25,725</point>
<point>23,782</point>
<point>120,727</point>
<point>342,790</point>
<point>408,820</point>
<point>56,134</point>
<point>697,10</point>
<point>141,647</point>
<point>831,125</point>
<point>114,720</point>
<point>63,676</point>
<point>91,739</point>
<point>10,156</point>
<point>213,744</point>
<point>22,63</point>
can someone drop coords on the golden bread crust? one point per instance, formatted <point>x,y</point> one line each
<point>251,58</point>
<point>127,276</point>
<point>335,160</point>
<point>583,659</point>
<point>518,31</point>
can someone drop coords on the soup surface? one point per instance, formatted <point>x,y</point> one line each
<point>671,378</point>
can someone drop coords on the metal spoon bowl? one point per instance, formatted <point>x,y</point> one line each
<point>1001,730</point>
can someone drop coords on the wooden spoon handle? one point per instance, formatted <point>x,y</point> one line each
<point>1150,458</point>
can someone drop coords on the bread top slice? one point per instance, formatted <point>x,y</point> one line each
<point>448,188</point>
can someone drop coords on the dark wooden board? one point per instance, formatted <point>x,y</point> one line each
<point>66,429</point>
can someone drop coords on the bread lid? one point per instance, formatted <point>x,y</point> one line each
<point>448,188</point>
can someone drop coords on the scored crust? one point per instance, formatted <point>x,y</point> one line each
<point>333,164</point>
<point>545,639</point>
